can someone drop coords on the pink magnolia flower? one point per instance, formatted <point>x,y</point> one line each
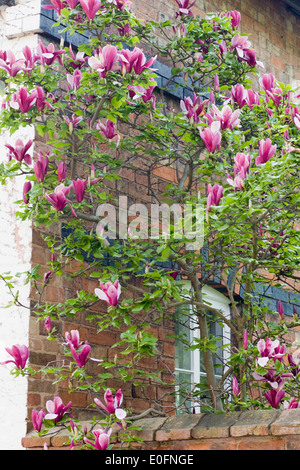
<point>242,163</point>
<point>252,98</point>
<point>56,5</point>
<point>112,405</point>
<point>41,167</point>
<point>235,386</point>
<point>41,99</point>
<point>105,60</point>
<point>19,152</point>
<point>292,404</point>
<point>79,187</point>
<point>108,130</point>
<point>135,60</point>
<point>10,64</point>
<point>280,309</point>
<point>297,121</point>
<point>174,274</point>
<point>79,349</point>
<point>245,340</point>
<point>101,439</point>
<point>239,95</point>
<point>81,357</point>
<point>48,324</point>
<point>180,32</point>
<point>235,17</point>
<point>73,338</point>
<point>124,30</point>
<point>37,418</point>
<point>24,99</point>
<point>211,136</point>
<point>109,292</point>
<point>267,81</point>
<point>93,180</point>
<point>250,57</point>
<point>72,3</point>
<point>215,193</point>
<point>276,95</point>
<point>56,409</point>
<point>73,121</point>
<point>58,198</point>
<point>275,397</point>
<point>123,4</point>
<point>185,7</point>
<point>272,378</point>
<point>62,171</point>
<point>74,79</point>
<point>77,60</point>
<point>294,363</point>
<point>46,276</point>
<point>149,96</point>
<point>243,50</point>
<point>193,107</point>
<point>26,188</point>
<point>20,355</point>
<point>270,350</point>
<point>90,7</point>
<point>238,181</point>
<point>266,151</point>
<point>240,43</point>
<point>222,48</point>
<point>73,427</point>
<point>48,54</point>
<point>146,94</point>
<point>228,118</point>
<point>216,83</point>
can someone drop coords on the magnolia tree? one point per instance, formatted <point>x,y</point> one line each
<point>233,146</point>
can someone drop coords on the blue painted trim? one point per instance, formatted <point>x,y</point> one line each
<point>49,17</point>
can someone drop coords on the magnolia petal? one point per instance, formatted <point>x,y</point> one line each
<point>262,361</point>
<point>99,403</point>
<point>51,416</point>
<point>102,296</point>
<point>120,414</point>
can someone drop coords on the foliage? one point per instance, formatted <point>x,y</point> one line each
<point>233,146</point>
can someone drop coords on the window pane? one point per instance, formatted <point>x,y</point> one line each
<point>182,330</point>
<point>216,330</point>
<point>184,380</point>
<point>189,364</point>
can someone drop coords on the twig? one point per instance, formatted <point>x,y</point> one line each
<point>146,413</point>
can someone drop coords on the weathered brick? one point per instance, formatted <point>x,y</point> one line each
<point>215,425</point>
<point>148,427</point>
<point>31,441</point>
<point>288,422</point>
<point>253,422</point>
<point>255,443</point>
<point>177,427</point>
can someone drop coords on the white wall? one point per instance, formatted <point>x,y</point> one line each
<point>17,25</point>
<point>15,255</point>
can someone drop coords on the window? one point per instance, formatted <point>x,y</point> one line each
<point>189,367</point>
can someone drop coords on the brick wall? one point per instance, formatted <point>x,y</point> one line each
<point>274,32</point>
<point>272,29</point>
<point>246,430</point>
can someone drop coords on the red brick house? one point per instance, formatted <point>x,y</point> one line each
<point>273,26</point>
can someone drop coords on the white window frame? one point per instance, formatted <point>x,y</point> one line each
<point>218,301</point>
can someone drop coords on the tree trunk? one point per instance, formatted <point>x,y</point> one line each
<point>207,355</point>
